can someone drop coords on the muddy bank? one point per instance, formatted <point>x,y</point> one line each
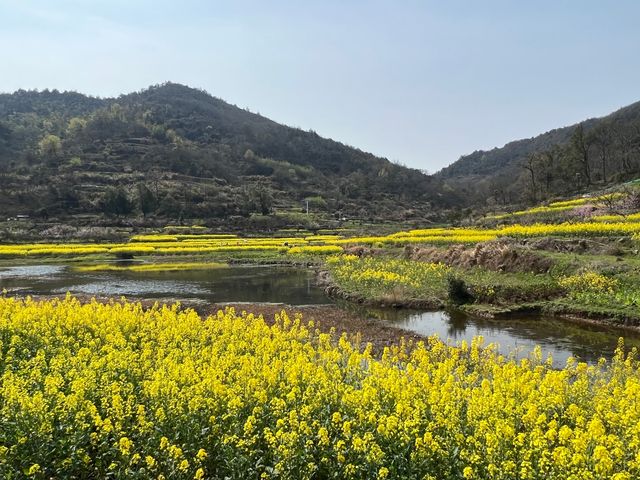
<point>592,316</point>
<point>554,309</point>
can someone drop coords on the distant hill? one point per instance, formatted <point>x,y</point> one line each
<point>176,152</point>
<point>577,158</point>
<point>498,160</point>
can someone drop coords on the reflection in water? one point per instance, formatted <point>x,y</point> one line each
<point>257,284</point>
<point>31,271</point>
<point>235,284</point>
<point>518,334</point>
<point>133,288</point>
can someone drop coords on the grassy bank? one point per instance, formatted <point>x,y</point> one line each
<point>601,287</point>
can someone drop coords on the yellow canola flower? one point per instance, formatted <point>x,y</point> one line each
<point>633,217</point>
<point>533,211</point>
<point>150,267</point>
<point>230,393</point>
<point>589,282</point>
<point>315,250</point>
<point>322,238</point>
<point>383,276</point>
<point>204,244</point>
<point>154,238</point>
<point>561,206</point>
<point>585,200</point>
<point>566,229</point>
<point>162,237</point>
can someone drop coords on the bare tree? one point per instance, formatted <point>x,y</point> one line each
<point>581,144</point>
<point>547,161</point>
<point>628,140</point>
<point>499,187</point>
<point>531,166</point>
<point>603,138</point>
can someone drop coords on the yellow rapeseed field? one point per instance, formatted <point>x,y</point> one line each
<point>315,249</point>
<point>562,206</point>
<point>119,391</point>
<point>149,267</point>
<point>204,244</point>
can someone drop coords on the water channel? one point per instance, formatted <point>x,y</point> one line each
<point>297,286</point>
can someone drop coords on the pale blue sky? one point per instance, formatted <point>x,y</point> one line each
<point>418,82</point>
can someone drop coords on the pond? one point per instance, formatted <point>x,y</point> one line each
<point>255,284</point>
<point>296,286</point>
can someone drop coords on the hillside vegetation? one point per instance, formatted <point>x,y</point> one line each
<point>577,158</point>
<point>174,152</point>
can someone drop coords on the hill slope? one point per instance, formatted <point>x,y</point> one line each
<point>577,158</point>
<point>175,152</point>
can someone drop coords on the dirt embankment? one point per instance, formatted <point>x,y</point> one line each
<point>496,256</point>
<point>592,246</point>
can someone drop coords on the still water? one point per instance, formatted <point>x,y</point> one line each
<point>228,284</point>
<point>296,286</point>
<point>517,335</point>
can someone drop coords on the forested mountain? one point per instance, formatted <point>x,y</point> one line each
<point>175,152</point>
<point>578,158</point>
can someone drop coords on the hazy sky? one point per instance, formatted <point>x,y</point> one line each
<point>419,82</point>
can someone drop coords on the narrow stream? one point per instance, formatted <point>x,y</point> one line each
<point>296,286</point>
<point>516,335</point>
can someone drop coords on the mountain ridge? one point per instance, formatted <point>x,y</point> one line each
<point>65,153</point>
<point>561,161</point>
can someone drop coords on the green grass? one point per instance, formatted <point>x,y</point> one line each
<point>499,288</point>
